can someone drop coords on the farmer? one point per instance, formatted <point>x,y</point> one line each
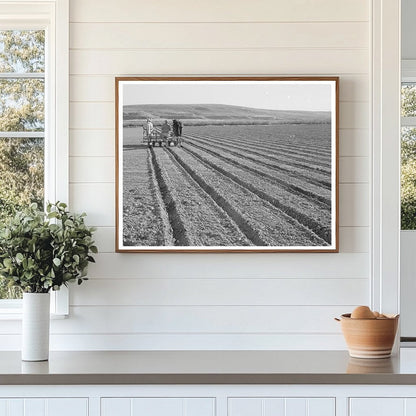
<point>175,126</point>
<point>165,130</point>
<point>149,126</point>
<point>180,133</point>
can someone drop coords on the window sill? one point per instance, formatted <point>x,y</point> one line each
<point>11,309</point>
<point>13,315</point>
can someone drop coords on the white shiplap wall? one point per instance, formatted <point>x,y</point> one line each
<point>218,301</point>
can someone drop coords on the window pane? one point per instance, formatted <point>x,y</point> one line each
<point>408,178</point>
<point>21,182</point>
<point>22,104</point>
<point>22,51</point>
<point>21,109</point>
<point>408,102</point>
<point>21,173</point>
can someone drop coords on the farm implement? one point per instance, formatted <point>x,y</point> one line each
<point>157,138</point>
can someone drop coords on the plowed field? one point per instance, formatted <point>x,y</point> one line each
<point>230,186</point>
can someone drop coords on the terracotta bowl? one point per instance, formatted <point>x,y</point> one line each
<point>369,338</point>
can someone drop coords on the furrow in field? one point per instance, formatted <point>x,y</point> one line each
<point>315,138</point>
<point>303,158</point>
<point>321,196</point>
<point>306,211</point>
<point>267,162</point>
<point>283,154</point>
<point>144,217</point>
<point>279,144</point>
<point>196,219</point>
<point>274,226</point>
<point>322,154</point>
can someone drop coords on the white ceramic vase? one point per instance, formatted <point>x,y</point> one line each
<point>35,326</point>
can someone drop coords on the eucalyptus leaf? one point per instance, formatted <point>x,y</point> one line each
<point>40,252</point>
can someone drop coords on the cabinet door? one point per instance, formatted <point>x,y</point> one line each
<point>147,406</point>
<point>44,407</point>
<point>382,407</point>
<point>268,406</point>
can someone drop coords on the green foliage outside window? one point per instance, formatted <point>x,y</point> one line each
<point>408,160</point>
<point>21,110</point>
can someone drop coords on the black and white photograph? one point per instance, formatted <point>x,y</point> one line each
<point>227,164</point>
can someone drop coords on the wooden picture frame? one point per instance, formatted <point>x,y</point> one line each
<point>227,164</point>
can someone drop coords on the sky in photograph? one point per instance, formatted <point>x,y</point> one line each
<point>276,95</point>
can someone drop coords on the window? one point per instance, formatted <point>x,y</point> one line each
<point>33,112</point>
<point>22,124</point>
<point>408,154</point>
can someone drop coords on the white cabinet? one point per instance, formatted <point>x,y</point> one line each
<point>44,407</point>
<point>208,400</point>
<point>382,406</point>
<point>281,406</point>
<point>146,406</point>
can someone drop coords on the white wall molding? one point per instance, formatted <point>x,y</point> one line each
<point>386,156</point>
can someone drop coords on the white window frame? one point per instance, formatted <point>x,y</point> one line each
<point>53,17</point>
<point>385,150</point>
<point>407,236</point>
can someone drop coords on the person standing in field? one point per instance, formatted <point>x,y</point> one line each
<point>175,127</point>
<point>149,126</point>
<point>180,133</point>
<point>165,129</point>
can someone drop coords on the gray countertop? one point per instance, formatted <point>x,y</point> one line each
<point>207,367</point>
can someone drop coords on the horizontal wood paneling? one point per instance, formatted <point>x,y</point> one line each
<point>218,35</point>
<point>105,239</point>
<point>89,169</point>
<point>98,88</point>
<point>354,169</point>
<point>229,61</point>
<point>254,265</point>
<point>220,291</point>
<point>299,37</point>
<point>354,142</point>
<point>354,205</point>
<point>94,143</point>
<point>194,320</point>
<point>146,342</point>
<point>201,319</point>
<point>96,199</point>
<point>92,115</point>
<point>354,115</point>
<point>218,11</point>
<point>352,239</point>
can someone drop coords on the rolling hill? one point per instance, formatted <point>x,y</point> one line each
<point>203,114</point>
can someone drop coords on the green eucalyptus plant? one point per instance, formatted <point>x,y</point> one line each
<point>43,251</point>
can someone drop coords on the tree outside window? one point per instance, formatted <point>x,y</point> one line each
<point>22,124</point>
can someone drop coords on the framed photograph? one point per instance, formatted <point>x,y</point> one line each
<point>227,164</point>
